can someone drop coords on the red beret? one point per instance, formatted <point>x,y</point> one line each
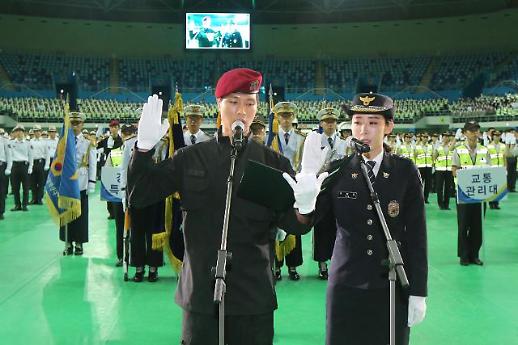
<point>114,123</point>
<point>242,80</point>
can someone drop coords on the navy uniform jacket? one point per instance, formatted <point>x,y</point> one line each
<point>360,246</point>
<point>199,172</point>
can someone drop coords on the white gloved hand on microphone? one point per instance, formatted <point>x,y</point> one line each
<point>416,310</point>
<point>150,126</point>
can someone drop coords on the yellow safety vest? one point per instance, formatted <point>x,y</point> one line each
<point>465,158</point>
<point>407,152</point>
<point>423,155</point>
<point>443,160</point>
<point>497,154</point>
<point>116,157</point>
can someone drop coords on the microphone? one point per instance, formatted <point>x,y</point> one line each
<point>359,146</point>
<point>237,134</point>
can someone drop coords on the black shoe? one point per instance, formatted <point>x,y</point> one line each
<point>293,275</point>
<point>464,262</point>
<point>139,277</point>
<point>16,208</point>
<point>277,275</point>
<point>152,276</point>
<point>1,216</point>
<point>118,263</point>
<point>323,274</point>
<point>68,251</point>
<point>78,250</point>
<point>477,262</point>
<point>497,207</point>
<point>426,202</point>
<point>25,209</point>
<point>39,202</point>
<point>33,202</point>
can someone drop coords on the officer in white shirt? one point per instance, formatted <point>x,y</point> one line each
<point>194,118</point>
<point>21,154</point>
<point>41,163</point>
<point>5,162</point>
<point>52,142</point>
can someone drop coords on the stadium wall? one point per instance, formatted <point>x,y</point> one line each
<point>452,35</point>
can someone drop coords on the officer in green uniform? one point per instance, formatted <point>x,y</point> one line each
<point>469,216</point>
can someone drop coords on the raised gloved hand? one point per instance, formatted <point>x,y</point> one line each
<point>91,187</point>
<point>416,310</point>
<point>7,172</point>
<point>313,157</point>
<point>29,171</point>
<point>124,202</point>
<point>305,190</point>
<point>150,126</point>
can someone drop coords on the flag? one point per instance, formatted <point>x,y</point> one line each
<point>285,247</point>
<point>171,240</point>
<point>62,188</point>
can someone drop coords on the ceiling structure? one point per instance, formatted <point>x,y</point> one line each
<point>263,11</point>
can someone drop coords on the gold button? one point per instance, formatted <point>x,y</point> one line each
<point>369,237</point>
<point>369,221</point>
<point>369,252</point>
<point>369,207</point>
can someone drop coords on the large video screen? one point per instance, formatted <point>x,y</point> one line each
<point>217,30</point>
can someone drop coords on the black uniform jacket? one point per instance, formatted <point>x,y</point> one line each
<point>200,172</point>
<point>360,247</point>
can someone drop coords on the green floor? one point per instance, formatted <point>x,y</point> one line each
<point>46,298</point>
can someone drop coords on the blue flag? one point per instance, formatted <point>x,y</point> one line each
<point>62,188</point>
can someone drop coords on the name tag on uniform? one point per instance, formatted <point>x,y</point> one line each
<point>342,194</point>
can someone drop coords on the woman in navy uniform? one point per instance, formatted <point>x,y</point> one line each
<point>358,288</point>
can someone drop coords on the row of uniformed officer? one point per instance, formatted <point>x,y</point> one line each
<point>41,158</point>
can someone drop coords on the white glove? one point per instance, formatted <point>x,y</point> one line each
<point>46,168</point>
<point>305,190</point>
<point>91,187</point>
<point>124,207</point>
<point>280,235</point>
<point>416,310</point>
<point>150,126</point>
<point>7,172</point>
<point>313,157</point>
<point>29,171</point>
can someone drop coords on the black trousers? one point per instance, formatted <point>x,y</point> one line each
<point>38,178</point>
<point>444,186</point>
<point>202,329</point>
<point>469,219</point>
<point>3,189</point>
<point>78,228</point>
<point>294,258</point>
<point>324,236</point>
<point>511,173</point>
<point>426,176</point>
<point>20,176</point>
<point>109,207</point>
<point>144,223</point>
<point>361,317</point>
<point>119,227</point>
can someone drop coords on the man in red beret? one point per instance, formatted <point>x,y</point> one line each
<point>199,172</point>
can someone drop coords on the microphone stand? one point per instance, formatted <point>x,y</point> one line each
<point>224,256</point>
<point>395,261</point>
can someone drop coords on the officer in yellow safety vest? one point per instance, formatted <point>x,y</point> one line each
<point>469,216</point>
<point>443,177</point>
<point>114,159</point>
<point>497,151</point>
<point>423,159</point>
<point>406,149</point>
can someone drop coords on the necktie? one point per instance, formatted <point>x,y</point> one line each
<point>193,139</point>
<point>330,141</point>
<point>286,138</point>
<point>371,175</point>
